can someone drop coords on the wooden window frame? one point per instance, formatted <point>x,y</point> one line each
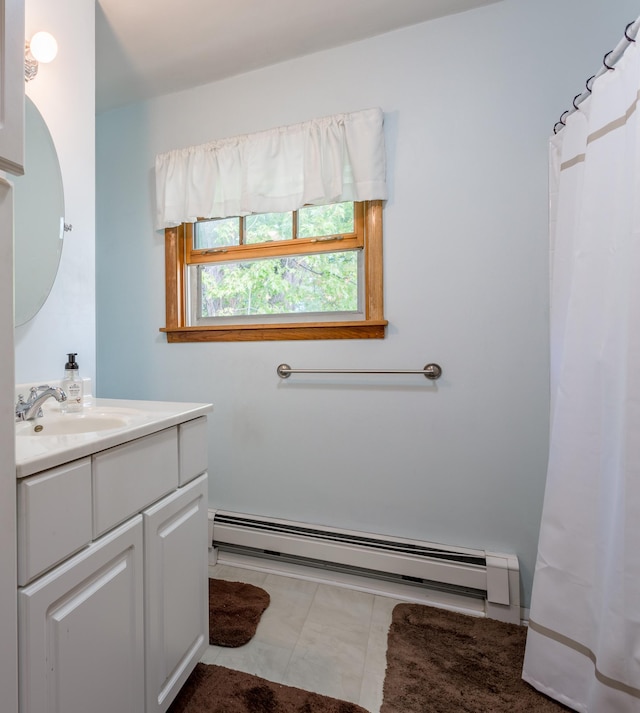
<point>179,254</point>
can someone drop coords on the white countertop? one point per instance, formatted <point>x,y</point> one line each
<point>38,451</point>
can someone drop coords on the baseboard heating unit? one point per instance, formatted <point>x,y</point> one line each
<point>491,576</point>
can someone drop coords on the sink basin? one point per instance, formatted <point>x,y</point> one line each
<point>68,424</point>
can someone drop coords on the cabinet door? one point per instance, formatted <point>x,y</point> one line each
<point>81,631</point>
<point>12,86</point>
<point>176,590</point>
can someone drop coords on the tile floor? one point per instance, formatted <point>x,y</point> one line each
<point>316,635</point>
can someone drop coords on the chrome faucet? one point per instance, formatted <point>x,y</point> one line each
<point>32,409</point>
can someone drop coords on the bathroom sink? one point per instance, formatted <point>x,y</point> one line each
<point>57,437</point>
<point>69,424</point>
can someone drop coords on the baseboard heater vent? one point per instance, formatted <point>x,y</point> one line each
<point>478,573</point>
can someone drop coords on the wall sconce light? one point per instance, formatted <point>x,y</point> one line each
<point>41,48</point>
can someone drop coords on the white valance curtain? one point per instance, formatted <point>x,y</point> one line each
<point>328,160</point>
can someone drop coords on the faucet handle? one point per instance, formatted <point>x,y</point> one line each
<point>35,391</point>
<point>21,407</point>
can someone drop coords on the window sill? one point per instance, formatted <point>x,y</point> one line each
<point>370,329</point>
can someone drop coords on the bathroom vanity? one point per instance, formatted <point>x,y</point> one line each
<point>112,556</point>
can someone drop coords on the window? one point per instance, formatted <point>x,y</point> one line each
<point>314,273</point>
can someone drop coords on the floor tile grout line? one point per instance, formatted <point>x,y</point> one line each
<point>323,587</point>
<point>369,642</point>
<point>300,630</point>
<point>292,648</point>
<point>367,649</point>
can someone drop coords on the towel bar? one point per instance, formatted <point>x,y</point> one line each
<point>430,371</point>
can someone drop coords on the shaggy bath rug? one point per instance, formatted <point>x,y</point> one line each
<point>235,609</point>
<point>214,689</point>
<point>444,662</point>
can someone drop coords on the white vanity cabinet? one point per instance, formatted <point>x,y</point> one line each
<point>112,551</point>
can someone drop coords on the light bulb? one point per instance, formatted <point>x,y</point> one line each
<point>43,47</point>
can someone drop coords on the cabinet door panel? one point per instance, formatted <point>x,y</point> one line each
<point>81,631</point>
<point>176,586</point>
<point>12,86</point>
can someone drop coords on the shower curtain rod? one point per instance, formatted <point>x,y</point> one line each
<point>608,64</point>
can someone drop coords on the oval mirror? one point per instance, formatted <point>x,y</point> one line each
<point>38,218</point>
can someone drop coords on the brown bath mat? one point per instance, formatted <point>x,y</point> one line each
<point>235,609</point>
<point>444,662</point>
<point>214,689</point>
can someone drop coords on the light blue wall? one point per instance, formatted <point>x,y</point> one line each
<point>469,102</point>
<point>64,93</point>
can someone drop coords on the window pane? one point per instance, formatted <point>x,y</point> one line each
<point>316,221</point>
<point>265,227</point>
<point>216,233</point>
<point>327,282</point>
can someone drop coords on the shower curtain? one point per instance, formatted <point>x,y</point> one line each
<point>583,643</point>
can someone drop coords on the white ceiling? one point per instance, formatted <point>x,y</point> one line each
<point>147,48</point>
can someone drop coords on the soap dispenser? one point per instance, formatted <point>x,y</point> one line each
<point>72,386</point>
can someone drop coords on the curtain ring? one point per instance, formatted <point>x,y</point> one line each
<point>561,120</point>
<point>575,106</point>
<point>591,78</point>
<point>604,60</point>
<point>555,126</point>
<point>629,39</point>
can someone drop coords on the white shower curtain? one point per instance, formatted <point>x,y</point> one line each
<point>583,645</point>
